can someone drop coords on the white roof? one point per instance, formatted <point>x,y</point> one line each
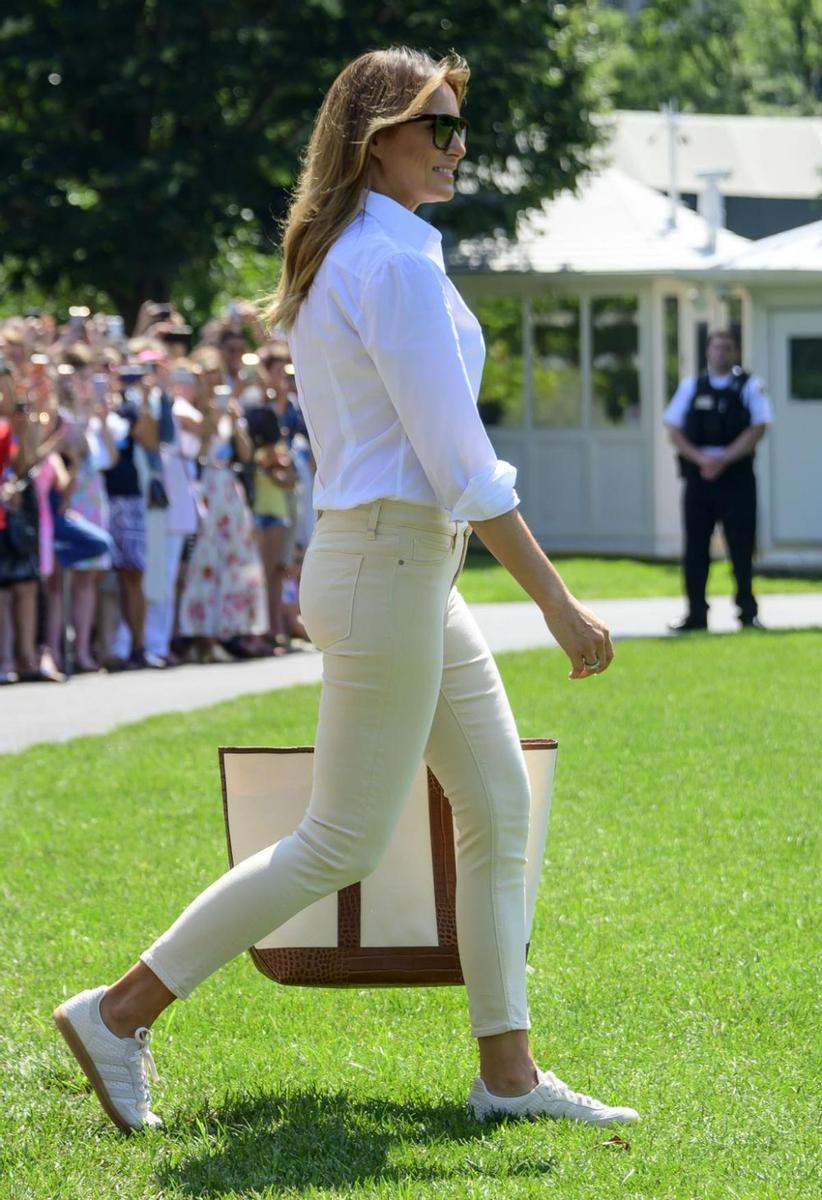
<point>615,225</point>
<point>797,249</point>
<point>767,156</point>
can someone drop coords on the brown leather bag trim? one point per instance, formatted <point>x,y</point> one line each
<point>371,966</point>
<point>443,860</point>
<point>349,915</point>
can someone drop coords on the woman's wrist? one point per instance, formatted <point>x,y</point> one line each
<point>513,545</point>
<point>555,599</point>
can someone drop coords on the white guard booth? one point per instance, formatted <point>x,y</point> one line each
<point>782,275</point>
<point>592,314</point>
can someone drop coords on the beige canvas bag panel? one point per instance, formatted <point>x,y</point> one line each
<point>398,926</point>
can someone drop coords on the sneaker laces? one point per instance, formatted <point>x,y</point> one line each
<point>143,1059</point>
<point>565,1092</point>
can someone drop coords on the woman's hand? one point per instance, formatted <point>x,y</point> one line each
<point>583,637</point>
<point>243,446</point>
<point>579,633</point>
<point>10,496</point>
<point>146,431</point>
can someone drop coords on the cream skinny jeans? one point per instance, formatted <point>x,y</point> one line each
<point>406,675</point>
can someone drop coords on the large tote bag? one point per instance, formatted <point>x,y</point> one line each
<point>398,926</point>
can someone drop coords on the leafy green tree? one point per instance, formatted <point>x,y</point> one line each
<point>782,39</point>
<point>142,139</point>
<point>688,50</point>
<point>503,377</point>
<point>721,56</point>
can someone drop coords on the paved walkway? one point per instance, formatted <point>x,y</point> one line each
<point>39,712</point>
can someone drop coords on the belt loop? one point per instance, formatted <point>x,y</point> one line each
<point>373,517</point>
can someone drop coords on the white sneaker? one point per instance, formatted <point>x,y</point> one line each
<point>116,1067</point>
<point>550,1098</point>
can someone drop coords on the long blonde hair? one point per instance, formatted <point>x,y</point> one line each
<point>376,90</point>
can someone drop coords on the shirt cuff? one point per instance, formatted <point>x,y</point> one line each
<point>488,495</point>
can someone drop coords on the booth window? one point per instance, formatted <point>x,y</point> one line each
<point>615,360</point>
<point>734,304</point>
<point>672,368</point>
<point>806,368</point>
<point>503,384</point>
<point>556,378</point>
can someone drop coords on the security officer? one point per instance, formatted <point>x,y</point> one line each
<point>715,422</point>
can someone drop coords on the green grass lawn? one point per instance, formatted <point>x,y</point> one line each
<point>485,581</point>
<point>674,964</point>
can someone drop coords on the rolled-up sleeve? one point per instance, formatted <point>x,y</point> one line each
<point>407,326</point>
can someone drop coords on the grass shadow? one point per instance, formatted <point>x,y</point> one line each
<point>753,635</point>
<point>725,635</point>
<point>303,1139</point>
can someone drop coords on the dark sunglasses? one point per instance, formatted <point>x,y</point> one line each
<point>443,127</point>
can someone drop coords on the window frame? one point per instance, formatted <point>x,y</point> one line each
<point>585,299</point>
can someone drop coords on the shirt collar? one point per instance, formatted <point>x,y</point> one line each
<point>405,226</point>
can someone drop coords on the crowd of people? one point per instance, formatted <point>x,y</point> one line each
<point>155,492</point>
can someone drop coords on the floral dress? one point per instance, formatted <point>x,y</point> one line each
<point>224,594</point>
<point>88,496</point>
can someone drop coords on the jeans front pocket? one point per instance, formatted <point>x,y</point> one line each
<point>327,588</point>
<point>431,547</point>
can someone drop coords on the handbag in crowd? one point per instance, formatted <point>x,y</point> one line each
<point>22,521</point>
<point>398,926</point>
<point>157,496</point>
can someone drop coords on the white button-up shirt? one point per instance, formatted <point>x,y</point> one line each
<point>388,361</point>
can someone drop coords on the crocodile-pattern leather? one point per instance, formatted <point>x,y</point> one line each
<point>348,917</point>
<point>372,966</point>
<point>444,862</point>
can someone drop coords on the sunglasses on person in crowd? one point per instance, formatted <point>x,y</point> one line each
<point>443,127</point>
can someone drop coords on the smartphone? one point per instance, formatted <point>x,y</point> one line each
<point>39,364</point>
<point>115,328</point>
<point>78,315</point>
<point>130,373</point>
<point>100,386</point>
<point>248,371</point>
<point>222,395</point>
<point>177,333</point>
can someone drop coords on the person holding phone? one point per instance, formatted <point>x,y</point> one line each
<point>232,345</point>
<point>223,597</point>
<point>274,482</point>
<point>388,363</point>
<point>19,536</point>
<point>180,427</point>
<point>94,451</point>
<point>130,424</point>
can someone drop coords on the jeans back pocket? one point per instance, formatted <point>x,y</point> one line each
<point>328,585</point>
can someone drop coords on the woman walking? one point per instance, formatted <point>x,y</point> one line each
<point>388,362</point>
